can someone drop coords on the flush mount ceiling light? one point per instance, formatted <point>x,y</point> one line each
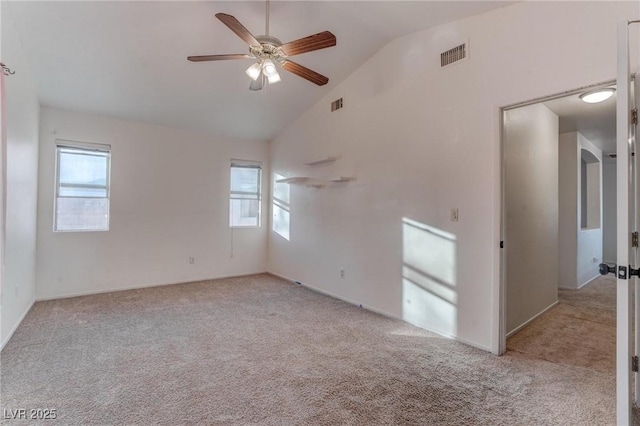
<point>270,52</point>
<point>595,96</point>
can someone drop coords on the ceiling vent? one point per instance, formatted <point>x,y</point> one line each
<point>337,104</point>
<point>451,56</point>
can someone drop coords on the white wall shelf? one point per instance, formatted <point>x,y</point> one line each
<point>293,179</point>
<point>342,179</point>
<point>323,160</point>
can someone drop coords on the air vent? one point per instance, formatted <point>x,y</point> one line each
<point>453,55</point>
<point>337,104</point>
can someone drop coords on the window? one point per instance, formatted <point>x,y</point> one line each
<point>82,187</point>
<point>244,203</point>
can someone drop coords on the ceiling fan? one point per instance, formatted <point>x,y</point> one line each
<point>270,51</point>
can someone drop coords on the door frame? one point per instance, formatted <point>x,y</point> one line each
<point>626,143</point>
<point>502,343</point>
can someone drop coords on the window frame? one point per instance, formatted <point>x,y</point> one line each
<point>89,147</point>
<point>246,164</point>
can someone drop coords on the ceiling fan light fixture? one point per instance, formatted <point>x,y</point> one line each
<point>257,84</point>
<point>269,68</point>
<point>595,96</point>
<point>254,71</point>
<point>274,78</point>
<point>266,50</point>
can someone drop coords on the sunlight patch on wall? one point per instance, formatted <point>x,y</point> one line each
<point>429,294</point>
<point>281,207</point>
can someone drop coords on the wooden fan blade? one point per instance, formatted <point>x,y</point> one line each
<point>308,44</point>
<point>218,57</point>
<point>235,26</point>
<point>305,73</point>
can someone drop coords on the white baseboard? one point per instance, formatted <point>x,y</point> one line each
<point>330,294</point>
<point>450,336</point>
<point>113,290</point>
<point>561,287</point>
<point>15,327</point>
<point>588,281</point>
<point>378,311</point>
<point>530,320</point>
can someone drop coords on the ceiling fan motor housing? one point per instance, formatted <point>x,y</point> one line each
<point>269,48</point>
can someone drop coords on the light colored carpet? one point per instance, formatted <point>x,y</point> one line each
<point>259,350</point>
<point>579,331</point>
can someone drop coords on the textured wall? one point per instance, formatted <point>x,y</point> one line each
<point>422,140</point>
<point>169,202</point>
<point>531,187</point>
<point>22,108</point>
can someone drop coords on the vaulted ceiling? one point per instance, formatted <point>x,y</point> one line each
<point>128,59</point>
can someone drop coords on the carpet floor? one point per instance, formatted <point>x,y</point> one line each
<point>259,350</point>
<point>579,331</point>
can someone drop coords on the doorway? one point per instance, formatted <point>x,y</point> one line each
<point>558,225</point>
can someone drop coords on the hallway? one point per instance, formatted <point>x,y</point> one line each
<point>579,331</point>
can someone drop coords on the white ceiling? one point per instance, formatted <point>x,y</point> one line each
<point>596,122</point>
<point>128,59</point>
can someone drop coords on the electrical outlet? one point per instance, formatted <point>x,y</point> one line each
<point>341,273</point>
<point>454,215</point>
<point>192,260</point>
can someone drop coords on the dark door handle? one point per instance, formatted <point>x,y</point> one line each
<point>605,269</point>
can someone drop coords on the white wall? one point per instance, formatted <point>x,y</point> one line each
<point>580,248</point>
<point>22,108</point>
<point>609,222</point>
<point>569,210</point>
<point>589,253</point>
<point>422,140</point>
<point>531,203</point>
<point>169,201</point>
